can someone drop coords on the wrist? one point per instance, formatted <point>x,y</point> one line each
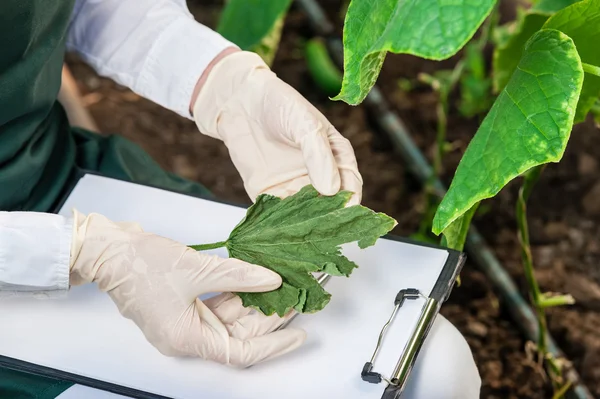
<point>233,80</point>
<point>204,76</point>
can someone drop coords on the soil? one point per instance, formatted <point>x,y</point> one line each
<point>564,210</point>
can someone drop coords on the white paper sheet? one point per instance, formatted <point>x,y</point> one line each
<point>85,334</point>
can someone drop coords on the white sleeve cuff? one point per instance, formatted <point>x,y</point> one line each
<point>176,62</point>
<point>154,47</point>
<point>35,251</point>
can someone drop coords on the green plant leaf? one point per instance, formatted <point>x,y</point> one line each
<point>595,111</point>
<point>321,67</point>
<point>552,6</point>
<point>528,125</point>
<point>455,235</point>
<point>508,53</point>
<point>475,86</point>
<point>581,22</point>
<point>434,29</point>
<point>298,236</point>
<point>506,57</point>
<point>254,25</point>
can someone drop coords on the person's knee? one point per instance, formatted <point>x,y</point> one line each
<point>445,368</point>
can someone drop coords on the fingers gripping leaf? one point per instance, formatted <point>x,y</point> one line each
<point>298,236</point>
<point>434,29</point>
<point>528,125</point>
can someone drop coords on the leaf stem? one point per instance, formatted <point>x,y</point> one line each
<point>547,301</point>
<point>560,393</point>
<point>531,178</point>
<point>539,300</point>
<point>204,247</point>
<point>591,69</point>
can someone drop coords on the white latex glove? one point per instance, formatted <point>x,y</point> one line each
<point>277,140</point>
<point>156,283</point>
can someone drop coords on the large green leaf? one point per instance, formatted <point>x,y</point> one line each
<point>528,125</point>
<point>434,29</point>
<point>455,235</point>
<point>254,25</point>
<point>552,6</point>
<point>507,55</point>
<point>581,22</point>
<point>298,236</point>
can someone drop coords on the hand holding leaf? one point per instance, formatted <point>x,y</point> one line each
<point>298,236</point>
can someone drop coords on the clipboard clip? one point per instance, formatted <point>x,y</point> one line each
<point>400,373</point>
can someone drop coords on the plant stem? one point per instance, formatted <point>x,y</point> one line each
<point>562,391</point>
<point>204,247</point>
<point>591,69</point>
<point>445,87</point>
<point>558,300</point>
<point>531,177</point>
<point>539,300</point>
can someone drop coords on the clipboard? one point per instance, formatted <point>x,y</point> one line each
<point>358,377</point>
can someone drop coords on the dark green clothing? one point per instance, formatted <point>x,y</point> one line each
<point>39,151</point>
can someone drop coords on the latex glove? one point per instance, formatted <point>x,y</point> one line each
<point>277,140</point>
<point>156,283</point>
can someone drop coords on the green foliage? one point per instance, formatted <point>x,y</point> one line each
<point>507,56</point>
<point>456,234</point>
<point>581,22</point>
<point>595,111</point>
<point>321,67</point>
<point>475,86</point>
<point>298,236</point>
<point>508,52</point>
<point>528,125</point>
<point>254,25</point>
<point>434,29</point>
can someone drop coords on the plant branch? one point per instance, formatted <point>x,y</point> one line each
<point>547,301</point>
<point>204,247</point>
<point>531,178</point>
<point>591,69</point>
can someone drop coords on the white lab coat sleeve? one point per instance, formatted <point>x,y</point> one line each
<point>35,252</point>
<point>154,47</point>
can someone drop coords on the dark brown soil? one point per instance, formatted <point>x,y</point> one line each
<point>564,211</point>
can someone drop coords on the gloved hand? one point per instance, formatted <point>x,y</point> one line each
<point>155,282</point>
<point>277,140</point>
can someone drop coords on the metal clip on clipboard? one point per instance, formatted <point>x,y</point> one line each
<point>440,292</point>
<point>397,380</point>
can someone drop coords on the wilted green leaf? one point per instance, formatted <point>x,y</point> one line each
<point>581,22</point>
<point>298,236</point>
<point>507,54</point>
<point>434,29</point>
<point>254,25</point>
<point>528,125</point>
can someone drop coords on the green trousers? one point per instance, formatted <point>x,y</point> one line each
<point>39,151</point>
